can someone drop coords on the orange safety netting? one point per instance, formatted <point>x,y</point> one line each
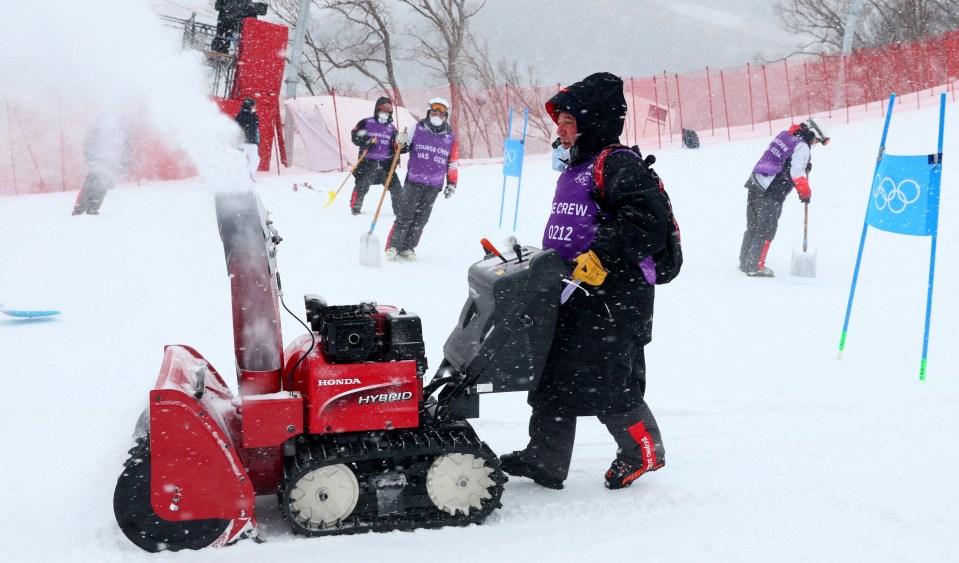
<point>42,152</point>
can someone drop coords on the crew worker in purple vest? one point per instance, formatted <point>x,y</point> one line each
<point>596,364</point>
<point>379,154</point>
<point>434,158</point>
<point>785,164</point>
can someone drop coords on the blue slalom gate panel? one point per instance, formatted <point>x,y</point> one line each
<point>905,195</point>
<point>513,157</point>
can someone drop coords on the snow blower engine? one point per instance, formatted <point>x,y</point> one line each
<point>339,425</point>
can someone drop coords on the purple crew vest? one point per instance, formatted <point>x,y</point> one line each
<point>429,157</point>
<point>383,132</point>
<point>779,150</point>
<point>572,225</point>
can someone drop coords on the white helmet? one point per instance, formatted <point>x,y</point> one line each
<point>818,131</point>
<point>439,101</point>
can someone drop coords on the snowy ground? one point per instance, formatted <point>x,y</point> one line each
<point>776,450</point>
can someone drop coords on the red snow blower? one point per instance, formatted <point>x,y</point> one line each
<point>339,426</point>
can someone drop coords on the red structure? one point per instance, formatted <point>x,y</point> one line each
<point>259,75</point>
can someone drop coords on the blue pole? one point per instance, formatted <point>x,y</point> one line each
<point>502,199</point>
<point>865,227</point>
<point>519,180</point>
<point>925,335</point>
<point>932,251</point>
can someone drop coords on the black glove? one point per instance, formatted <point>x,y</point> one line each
<point>449,190</point>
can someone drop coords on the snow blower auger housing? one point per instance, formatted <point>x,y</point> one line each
<point>338,425</point>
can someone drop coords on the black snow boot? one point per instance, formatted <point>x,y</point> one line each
<point>763,273</point>
<point>622,473</point>
<point>514,465</point>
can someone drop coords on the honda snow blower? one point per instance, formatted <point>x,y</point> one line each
<point>339,425</point>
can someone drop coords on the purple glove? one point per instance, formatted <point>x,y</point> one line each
<point>648,267</point>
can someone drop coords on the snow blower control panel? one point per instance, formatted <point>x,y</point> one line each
<point>506,325</point>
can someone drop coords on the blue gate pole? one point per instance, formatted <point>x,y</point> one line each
<point>865,227</point>
<point>519,180</point>
<point>502,200</point>
<point>932,251</point>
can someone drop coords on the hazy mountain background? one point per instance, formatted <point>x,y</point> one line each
<point>564,40</point>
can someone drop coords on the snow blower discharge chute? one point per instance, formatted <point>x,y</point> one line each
<point>339,425</point>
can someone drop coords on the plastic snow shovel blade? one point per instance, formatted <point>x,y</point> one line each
<point>29,314</point>
<point>332,196</point>
<point>369,250</point>
<point>803,264</point>
<point>26,314</point>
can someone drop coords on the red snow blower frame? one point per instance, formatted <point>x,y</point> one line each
<point>339,425</point>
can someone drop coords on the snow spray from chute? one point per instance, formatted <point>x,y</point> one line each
<point>904,199</point>
<point>84,64</point>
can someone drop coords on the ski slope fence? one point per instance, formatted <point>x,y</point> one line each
<point>42,151</point>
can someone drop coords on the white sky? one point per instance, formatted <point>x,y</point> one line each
<point>566,40</point>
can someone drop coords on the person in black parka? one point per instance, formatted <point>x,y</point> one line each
<point>249,123</point>
<point>377,135</point>
<point>596,365</point>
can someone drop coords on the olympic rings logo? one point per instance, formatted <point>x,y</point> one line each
<point>895,197</point>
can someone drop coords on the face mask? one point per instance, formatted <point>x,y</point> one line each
<point>560,158</point>
<point>383,117</point>
<point>436,120</point>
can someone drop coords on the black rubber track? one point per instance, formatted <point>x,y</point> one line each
<point>397,450</point>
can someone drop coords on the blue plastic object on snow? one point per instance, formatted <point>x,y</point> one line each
<point>25,314</point>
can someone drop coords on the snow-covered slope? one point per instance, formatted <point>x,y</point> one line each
<point>776,450</point>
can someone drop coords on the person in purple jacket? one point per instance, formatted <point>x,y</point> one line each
<point>433,160</point>
<point>596,363</point>
<point>377,136</point>
<point>785,164</point>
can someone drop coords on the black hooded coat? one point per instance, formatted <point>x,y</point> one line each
<point>249,122</point>
<point>596,364</point>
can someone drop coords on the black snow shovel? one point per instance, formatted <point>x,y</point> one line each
<point>804,263</point>
<point>369,244</point>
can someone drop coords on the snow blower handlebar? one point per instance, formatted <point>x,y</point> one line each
<point>504,331</point>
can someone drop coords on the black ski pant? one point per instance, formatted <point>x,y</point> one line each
<point>551,437</point>
<point>414,209</point>
<point>368,173</point>
<point>763,209</point>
